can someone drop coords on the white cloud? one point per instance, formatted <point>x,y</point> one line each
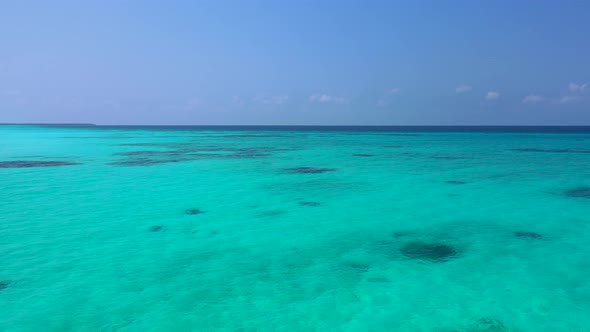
<point>393,91</point>
<point>237,100</point>
<point>272,100</point>
<point>463,88</point>
<point>568,99</point>
<point>533,99</point>
<point>279,99</point>
<point>328,99</point>
<point>573,87</point>
<point>492,95</point>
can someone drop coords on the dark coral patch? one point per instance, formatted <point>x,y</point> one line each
<point>456,182</point>
<point>257,136</point>
<point>145,162</point>
<point>447,157</point>
<point>193,212</point>
<point>404,135</point>
<point>32,163</point>
<point>359,267</point>
<point>4,284</point>
<point>433,252</point>
<point>145,153</point>
<point>579,192</point>
<point>309,203</point>
<point>183,152</point>
<point>248,154</point>
<point>553,150</point>
<point>487,325</point>
<point>171,145</point>
<point>363,155</point>
<point>528,235</point>
<point>309,170</point>
<point>271,213</point>
<point>156,228</point>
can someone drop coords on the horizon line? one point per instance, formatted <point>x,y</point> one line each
<point>278,125</point>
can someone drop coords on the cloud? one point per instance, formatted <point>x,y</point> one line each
<point>279,99</point>
<point>273,100</point>
<point>393,91</point>
<point>530,99</point>
<point>328,99</point>
<point>492,95</point>
<point>237,100</point>
<point>463,88</point>
<point>568,99</point>
<point>577,88</point>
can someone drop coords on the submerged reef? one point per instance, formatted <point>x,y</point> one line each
<point>456,182</point>
<point>309,203</point>
<point>402,135</point>
<point>33,163</point>
<point>358,267</point>
<point>487,325</point>
<point>156,228</point>
<point>579,192</point>
<point>193,212</point>
<point>433,252</point>
<point>483,325</point>
<point>183,152</point>
<point>309,170</point>
<point>144,162</point>
<point>398,234</point>
<point>552,150</point>
<point>528,235</point>
<point>270,213</point>
<point>439,157</point>
<point>257,136</point>
<point>4,284</point>
<point>363,155</point>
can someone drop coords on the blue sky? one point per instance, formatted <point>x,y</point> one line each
<point>295,62</point>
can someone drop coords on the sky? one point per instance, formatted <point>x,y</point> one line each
<point>288,62</point>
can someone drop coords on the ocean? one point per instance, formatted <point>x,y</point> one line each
<point>434,229</point>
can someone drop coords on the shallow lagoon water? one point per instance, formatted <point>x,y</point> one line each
<point>203,229</point>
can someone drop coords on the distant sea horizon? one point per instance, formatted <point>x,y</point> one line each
<point>308,127</point>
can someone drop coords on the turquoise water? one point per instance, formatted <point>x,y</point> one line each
<point>223,230</point>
